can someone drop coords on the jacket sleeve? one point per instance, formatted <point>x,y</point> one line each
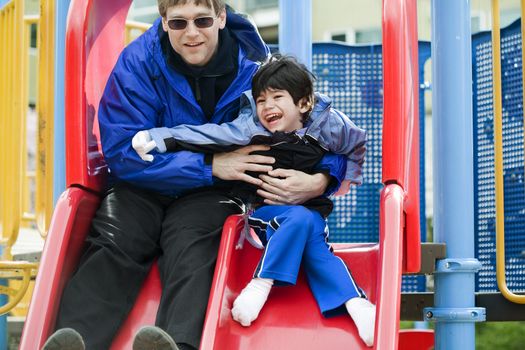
<point>131,103</point>
<point>237,132</point>
<point>334,165</point>
<point>342,136</point>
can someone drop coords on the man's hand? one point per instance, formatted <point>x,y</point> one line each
<point>286,186</point>
<point>234,165</point>
<point>143,144</point>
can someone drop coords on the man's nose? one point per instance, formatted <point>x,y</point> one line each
<point>191,28</point>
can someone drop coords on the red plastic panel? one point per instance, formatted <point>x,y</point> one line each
<point>94,39</point>
<point>401,110</point>
<point>65,240</point>
<point>290,319</point>
<point>143,313</point>
<point>64,245</point>
<point>416,339</point>
<point>390,266</point>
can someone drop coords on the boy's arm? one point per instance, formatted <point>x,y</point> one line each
<point>341,136</point>
<point>236,132</point>
<point>207,138</point>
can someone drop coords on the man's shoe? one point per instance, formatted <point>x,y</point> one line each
<point>65,339</point>
<point>153,338</point>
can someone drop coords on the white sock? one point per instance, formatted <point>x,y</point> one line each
<point>249,303</point>
<point>363,312</point>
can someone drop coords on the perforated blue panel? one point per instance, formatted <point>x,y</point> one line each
<point>352,76</point>
<point>513,163</point>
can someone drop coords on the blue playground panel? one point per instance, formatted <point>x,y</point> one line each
<point>352,76</point>
<point>513,162</point>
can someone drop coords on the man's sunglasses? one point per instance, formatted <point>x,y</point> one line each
<point>180,23</point>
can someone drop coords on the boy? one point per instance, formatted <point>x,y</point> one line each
<point>299,134</point>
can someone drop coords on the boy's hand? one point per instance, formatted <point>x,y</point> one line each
<point>143,144</point>
<point>234,165</point>
<point>344,188</point>
<point>287,186</point>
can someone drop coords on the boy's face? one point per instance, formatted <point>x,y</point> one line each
<point>277,111</point>
<point>195,45</point>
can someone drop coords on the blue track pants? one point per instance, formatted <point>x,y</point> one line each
<point>295,235</point>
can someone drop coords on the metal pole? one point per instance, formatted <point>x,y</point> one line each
<point>454,311</point>
<point>295,29</point>
<point>59,183</point>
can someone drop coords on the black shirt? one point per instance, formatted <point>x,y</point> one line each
<point>208,82</point>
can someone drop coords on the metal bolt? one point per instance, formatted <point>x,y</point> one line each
<point>430,314</point>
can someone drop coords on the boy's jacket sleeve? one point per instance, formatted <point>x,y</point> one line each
<point>130,103</point>
<point>340,135</point>
<point>237,132</point>
<point>334,165</point>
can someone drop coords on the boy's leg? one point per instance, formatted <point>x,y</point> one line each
<point>287,229</point>
<point>190,240</point>
<point>284,230</point>
<point>328,276</point>
<point>333,285</point>
<point>121,246</point>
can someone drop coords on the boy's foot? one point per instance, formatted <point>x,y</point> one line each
<point>249,303</point>
<point>65,339</point>
<point>363,312</point>
<point>153,338</point>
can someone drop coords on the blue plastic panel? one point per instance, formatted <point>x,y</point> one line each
<point>352,76</point>
<point>513,162</point>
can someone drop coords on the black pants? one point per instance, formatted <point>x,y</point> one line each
<point>131,229</point>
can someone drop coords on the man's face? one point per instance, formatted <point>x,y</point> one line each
<point>277,111</point>
<point>195,45</point>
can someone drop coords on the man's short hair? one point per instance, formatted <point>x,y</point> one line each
<point>164,5</point>
<point>285,73</point>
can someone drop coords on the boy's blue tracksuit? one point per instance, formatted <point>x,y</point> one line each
<point>295,235</point>
<point>292,234</point>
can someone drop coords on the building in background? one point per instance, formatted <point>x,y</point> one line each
<point>349,21</point>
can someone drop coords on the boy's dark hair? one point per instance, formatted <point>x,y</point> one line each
<point>216,5</point>
<point>285,73</point>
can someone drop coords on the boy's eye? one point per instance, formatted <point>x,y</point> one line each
<point>259,101</point>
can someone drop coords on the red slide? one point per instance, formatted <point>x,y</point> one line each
<point>291,318</point>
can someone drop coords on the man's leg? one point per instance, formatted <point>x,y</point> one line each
<point>190,240</point>
<point>122,244</point>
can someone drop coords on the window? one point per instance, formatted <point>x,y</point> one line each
<point>368,36</point>
<point>339,37</point>
<point>252,5</point>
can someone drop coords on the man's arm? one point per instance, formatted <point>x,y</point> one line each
<point>285,186</point>
<point>131,103</point>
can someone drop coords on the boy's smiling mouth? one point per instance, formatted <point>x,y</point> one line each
<point>270,118</point>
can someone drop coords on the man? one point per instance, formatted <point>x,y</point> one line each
<point>189,68</point>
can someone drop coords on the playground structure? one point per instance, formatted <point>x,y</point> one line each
<point>392,93</point>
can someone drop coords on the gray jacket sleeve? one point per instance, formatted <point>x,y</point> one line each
<point>237,132</point>
<point>337,133</point>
